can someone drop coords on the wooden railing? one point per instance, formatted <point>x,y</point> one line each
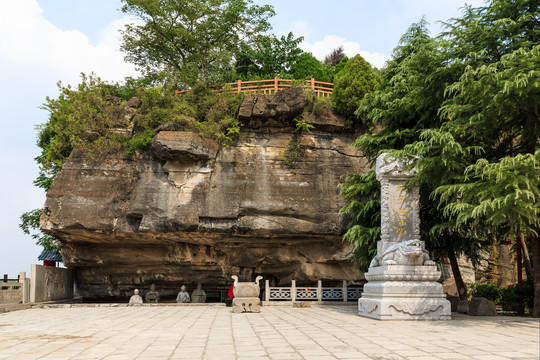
<point>322,89</point>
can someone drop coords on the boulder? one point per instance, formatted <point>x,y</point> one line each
<point>454,302</point>
<point>279,109</point>
<point>463,307</point>
<point>480,306</point>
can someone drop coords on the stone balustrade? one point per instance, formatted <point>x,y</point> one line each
<point>312,293</point>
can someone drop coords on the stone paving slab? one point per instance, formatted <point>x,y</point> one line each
<point>278,332</point>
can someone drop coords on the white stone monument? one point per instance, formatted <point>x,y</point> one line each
<point>402,280</point>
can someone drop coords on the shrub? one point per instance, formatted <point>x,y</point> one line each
<point>512,296</point>
<point>488,291</point>
<point>307,66</point>
<point>350,85</point>
<point>316,105</point>
<point>509,298</point>
<point>292,154</point>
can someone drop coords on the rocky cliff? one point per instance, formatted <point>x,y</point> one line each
<point>187,210</point>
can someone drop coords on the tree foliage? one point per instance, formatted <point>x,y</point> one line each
<point>30,226</point>
<point>268,57</point>
<point>464,106</point>
<point>335,57</point>
<point>80,117</point>
<point>351,84</point>
<point>187,41</point>
<point>308,66</point>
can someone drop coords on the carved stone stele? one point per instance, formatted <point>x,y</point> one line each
<point>402,279</point>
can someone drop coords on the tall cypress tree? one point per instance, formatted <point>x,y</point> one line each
<point>465,107</point>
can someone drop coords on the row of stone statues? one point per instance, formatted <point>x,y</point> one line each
<point>152,297</point>
<point>197,296</point>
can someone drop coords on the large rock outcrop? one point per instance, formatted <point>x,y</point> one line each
<point>188,211</point>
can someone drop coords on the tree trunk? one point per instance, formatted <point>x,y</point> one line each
<point>461,288</point>
<point>535,249</point>
<point>526,258</point>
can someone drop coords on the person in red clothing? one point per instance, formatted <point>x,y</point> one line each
<point>230,292</point>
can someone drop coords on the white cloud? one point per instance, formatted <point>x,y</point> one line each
<point>325,46</point>
<point>111,36</point>
<point>30,41</point>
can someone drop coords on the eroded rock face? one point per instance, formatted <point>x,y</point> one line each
<point>188,211</point>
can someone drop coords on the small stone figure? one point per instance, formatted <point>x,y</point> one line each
<point>183,295</point>
<point>152,296</point>
<point>135,299</point>
<point>198,295</point>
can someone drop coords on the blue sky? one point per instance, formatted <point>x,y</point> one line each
<point>45,41</point>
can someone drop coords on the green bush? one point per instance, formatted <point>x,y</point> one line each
<point>307,66</point>
<point>512,296</point>
<point>350,85</point>
<point>211,115</point>
<point>509,298</point>
<point>316,105</point>
<point>488,291</point>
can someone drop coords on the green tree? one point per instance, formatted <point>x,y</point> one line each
<point>492,117</point>
<point>406,101</point>
<point>475,132</point>
<point>80,117</point>
<point>30,226</point>
<point>269,56</point>
<point>308,66</point>
<point>186,41</point>
<point>350,85</point>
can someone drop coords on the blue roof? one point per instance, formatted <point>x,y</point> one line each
<point>52,255</point>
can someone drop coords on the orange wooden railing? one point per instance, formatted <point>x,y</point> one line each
<point>271,86</point>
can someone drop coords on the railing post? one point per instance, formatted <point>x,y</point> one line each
<point>293,290</point>
<point>239,85</point>
<point>267,290</point>
<point>319,291</point>
<point>275,85</point>
<point>313,84</point>
<point>25,287</point>
<point>344,290</point>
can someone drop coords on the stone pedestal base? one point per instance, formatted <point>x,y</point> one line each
<point>246,304</point>
<point>403,292</point>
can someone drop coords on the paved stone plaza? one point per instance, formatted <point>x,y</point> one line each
<point>278,332</point>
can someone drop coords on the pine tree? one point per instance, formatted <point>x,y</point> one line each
<point>465,107</point>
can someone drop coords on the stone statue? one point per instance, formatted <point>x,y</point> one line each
<point>409,252</point>
<point>152,296</point>
<point>135,299</point>
<point>183,295</point>
<point>198,295</point>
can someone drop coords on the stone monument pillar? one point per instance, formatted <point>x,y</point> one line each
<point>402,280</point>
